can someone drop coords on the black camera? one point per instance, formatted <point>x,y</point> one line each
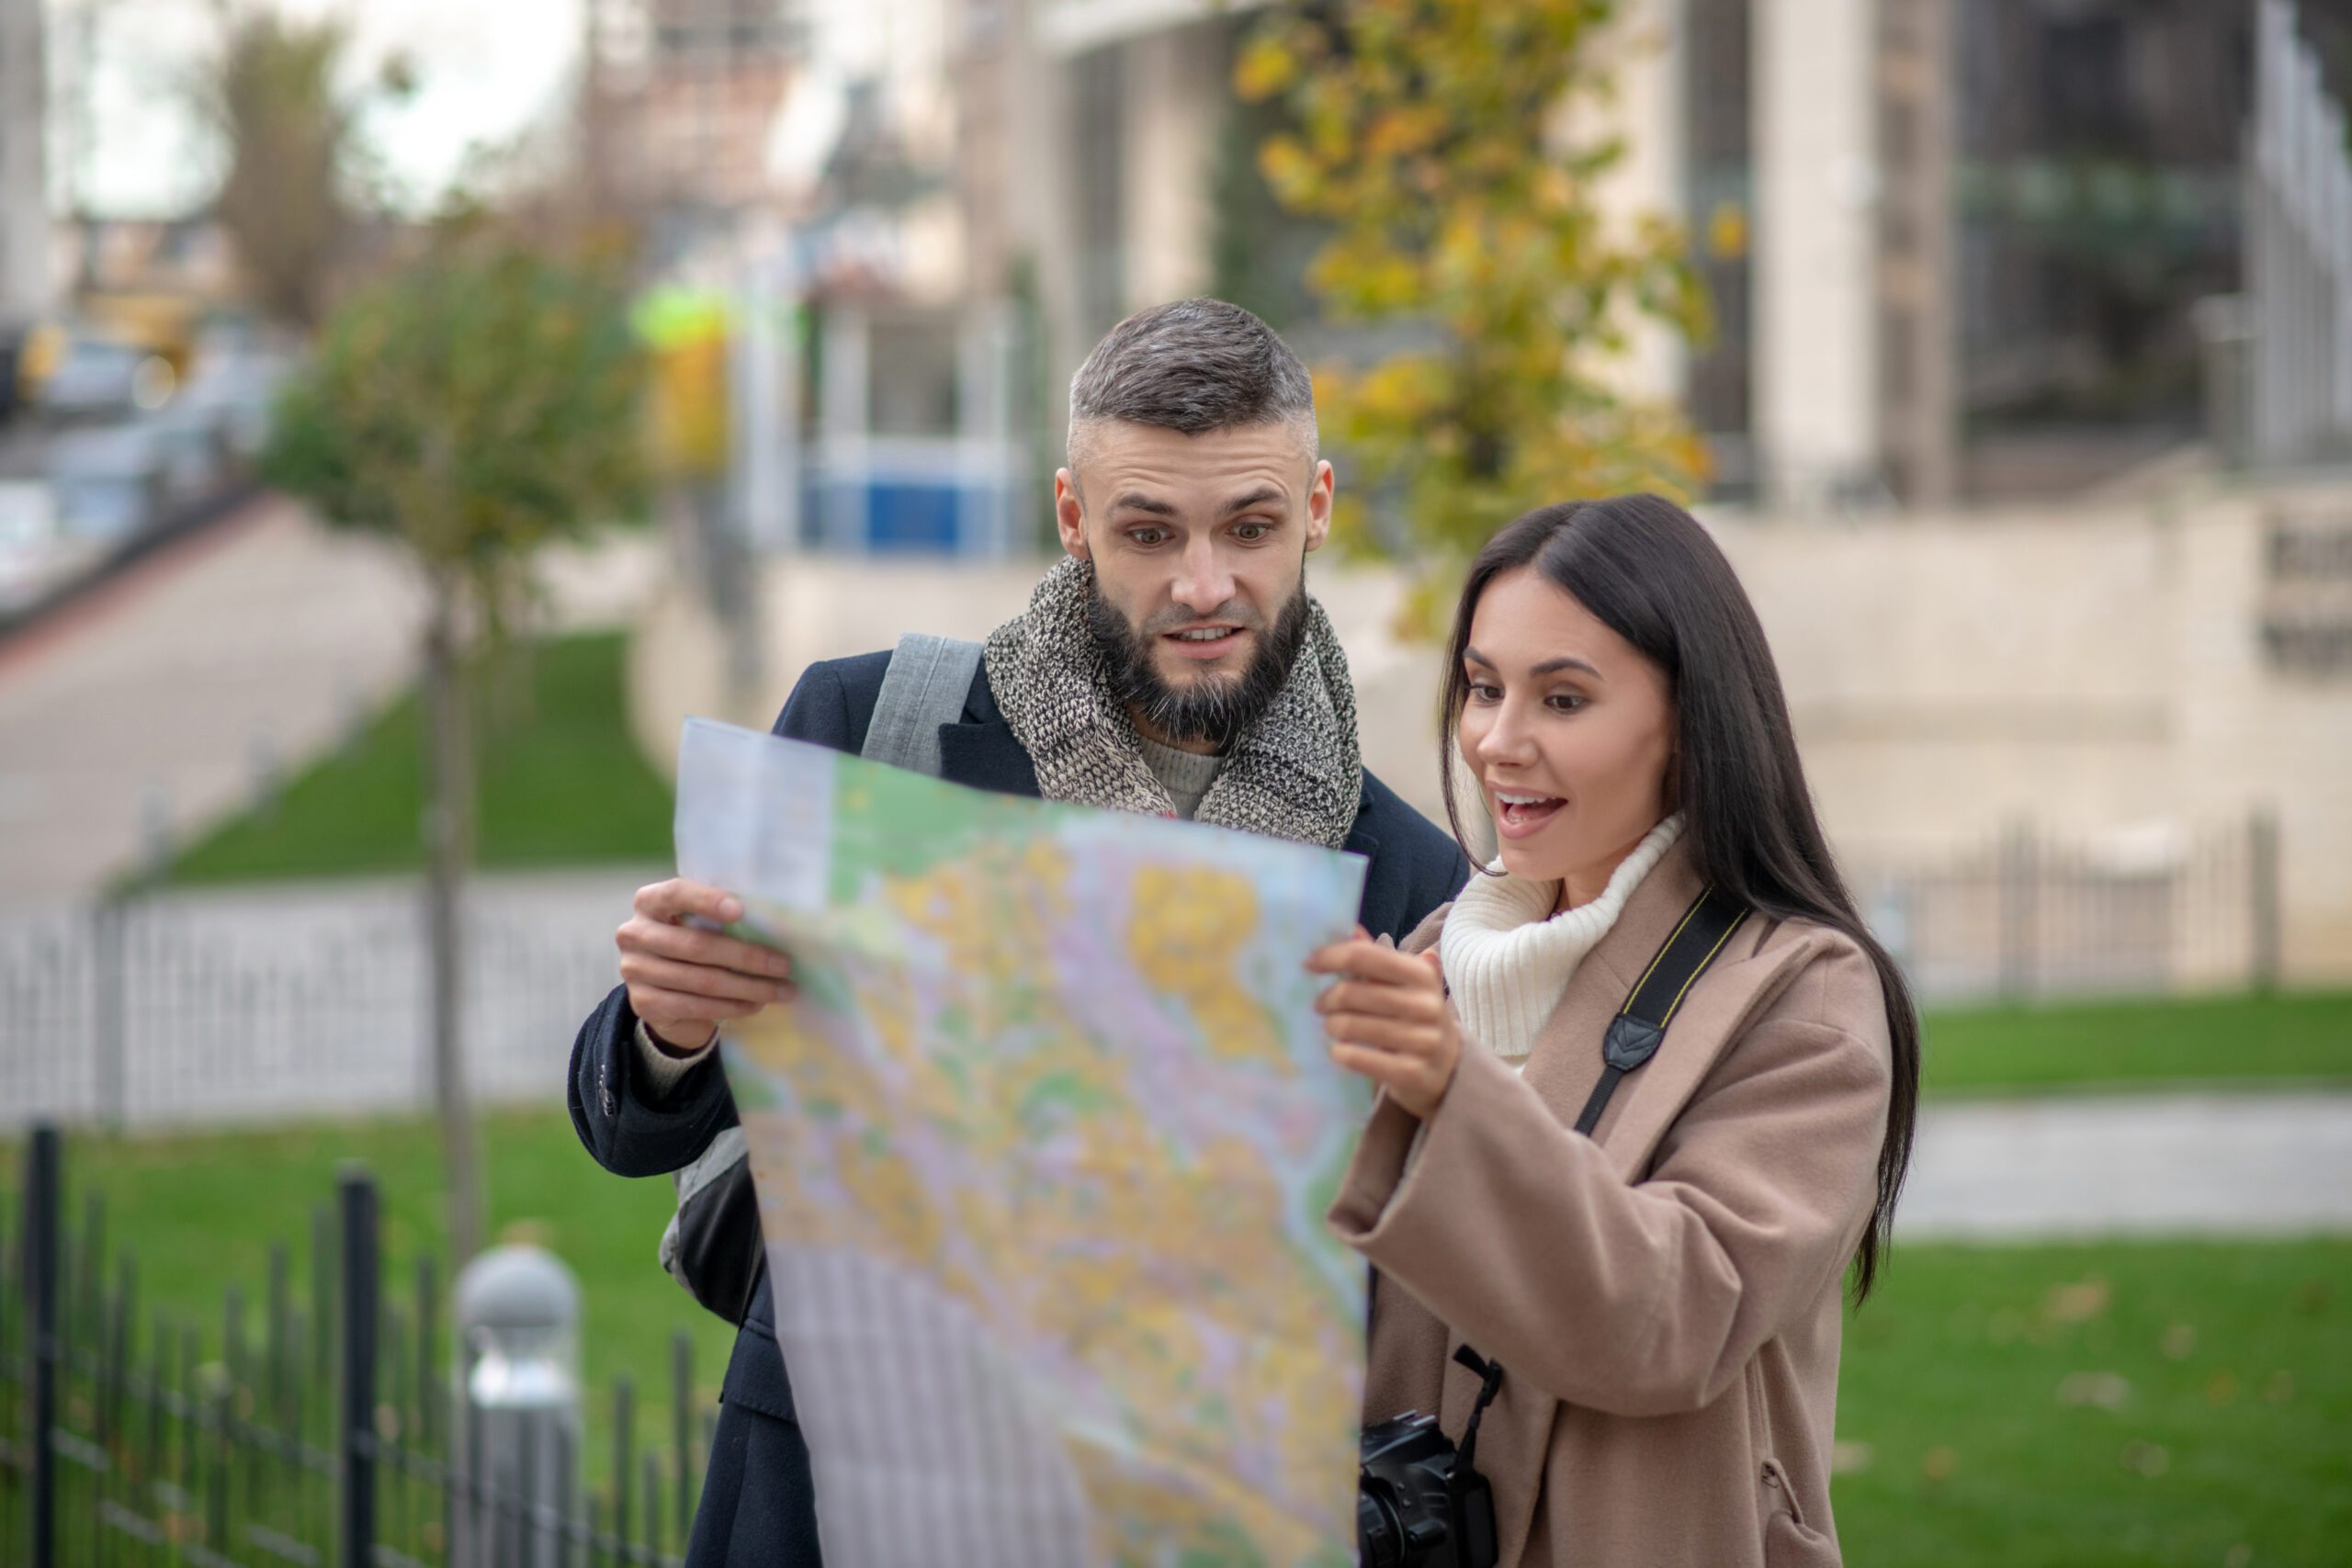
<point>1421,1502</point>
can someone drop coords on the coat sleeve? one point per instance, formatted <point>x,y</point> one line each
<point>1644,1299</point>
<point>629,1126</point>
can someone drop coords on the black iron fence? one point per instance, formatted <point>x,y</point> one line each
<point>321,1427</point>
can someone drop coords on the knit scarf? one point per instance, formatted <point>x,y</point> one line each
<point>1507,958</point>
<point>1296,774</point>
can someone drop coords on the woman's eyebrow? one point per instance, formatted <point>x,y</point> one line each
<point>1549,667</point>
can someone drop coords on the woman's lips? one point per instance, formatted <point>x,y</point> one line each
<point>1522,818</point>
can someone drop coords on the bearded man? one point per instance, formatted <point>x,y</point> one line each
<point>1171,663</point>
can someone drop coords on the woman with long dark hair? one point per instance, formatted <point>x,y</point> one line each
<point>1660,1287</point>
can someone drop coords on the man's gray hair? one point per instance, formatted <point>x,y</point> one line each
<point>1194,365</point>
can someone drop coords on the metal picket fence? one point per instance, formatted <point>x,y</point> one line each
<point>318,1425</point>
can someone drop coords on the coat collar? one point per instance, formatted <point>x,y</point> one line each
<point>981,750</point>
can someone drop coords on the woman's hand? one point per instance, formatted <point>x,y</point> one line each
<point>1389,1018</point>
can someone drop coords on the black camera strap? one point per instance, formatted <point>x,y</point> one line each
<point>1632,1039</point>
<point>1490,1382</point>
<point>1639,1027</point>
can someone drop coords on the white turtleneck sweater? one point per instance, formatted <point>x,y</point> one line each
<point>1507,958</point>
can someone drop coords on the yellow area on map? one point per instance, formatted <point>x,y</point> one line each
<point>1187,930</point>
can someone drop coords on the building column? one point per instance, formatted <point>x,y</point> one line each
<point>1817,285</point>
<point>1649,64</point>
<point>1176,97</point>
<point>25,232</point>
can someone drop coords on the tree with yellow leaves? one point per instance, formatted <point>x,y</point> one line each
<point>1448,145</point>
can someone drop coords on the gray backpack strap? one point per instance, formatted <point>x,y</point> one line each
<point>924,687</point>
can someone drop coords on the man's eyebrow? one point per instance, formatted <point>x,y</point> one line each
<point>1249,499</point>
<point>1136,500</point>
<point>1549,667</point>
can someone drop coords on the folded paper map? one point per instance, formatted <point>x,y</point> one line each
<point>1042,1151</point>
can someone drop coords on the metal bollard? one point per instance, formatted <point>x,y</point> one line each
<point>518,1344</point>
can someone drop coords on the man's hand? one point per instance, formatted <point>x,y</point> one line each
<point>682,981</point>
<point>1389,1019</point>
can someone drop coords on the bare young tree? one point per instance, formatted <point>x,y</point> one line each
<point>476,404</point>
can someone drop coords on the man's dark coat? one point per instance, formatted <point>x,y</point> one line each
<point>757,1500</point>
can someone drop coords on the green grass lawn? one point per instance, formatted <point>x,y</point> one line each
<point>2157,1042</point>
<point>561,786</point>
<point>2072,1406</point>
<point>200,1213</point>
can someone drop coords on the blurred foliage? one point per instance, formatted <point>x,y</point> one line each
<point>1454,148</point>
<point>293,154</point>
<point>474,405</point>
<point>271,96</point>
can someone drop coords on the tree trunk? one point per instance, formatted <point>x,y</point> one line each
<point>448,839</point>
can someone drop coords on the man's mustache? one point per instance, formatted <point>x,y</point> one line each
<point>1239,613</point>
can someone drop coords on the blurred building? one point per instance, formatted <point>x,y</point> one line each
<point>25,233</point>
<point>1957,249</point>
<point>2027,276</point>
<point>677,101</point>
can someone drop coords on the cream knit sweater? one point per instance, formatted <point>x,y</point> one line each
<point>1507,958</point>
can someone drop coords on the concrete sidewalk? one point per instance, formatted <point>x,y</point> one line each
<point>165,693</point>
<point>2178,1164</point>
<point>158,701</point>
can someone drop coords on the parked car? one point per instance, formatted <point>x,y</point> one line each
<point>97,377</point>
<point>108,483</point>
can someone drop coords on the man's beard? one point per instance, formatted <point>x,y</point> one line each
<point>1215,709</point>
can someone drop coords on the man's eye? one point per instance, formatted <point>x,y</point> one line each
<point>1251,533</point>
<point>1148,536</point>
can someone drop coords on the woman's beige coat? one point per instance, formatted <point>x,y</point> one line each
<point>1665,1296</point>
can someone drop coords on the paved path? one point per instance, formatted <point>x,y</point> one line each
<point>262,634</point>
<point>164,692</point>
<point>2272,1164</point>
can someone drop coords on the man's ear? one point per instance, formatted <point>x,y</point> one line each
<point>1318,505</point>
<point>1069,513</point>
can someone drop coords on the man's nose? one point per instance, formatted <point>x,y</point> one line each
<point>1203,583</point>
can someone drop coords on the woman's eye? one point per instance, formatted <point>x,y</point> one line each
<point>1567,702</point>
<point>1480,692</point>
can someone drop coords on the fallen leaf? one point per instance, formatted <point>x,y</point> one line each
<point>2221,1388</point>
<point>2148,1459</point>
<point>1938,1463</point>
<point>1849,1459</point>
<point>2238,1557</point>
<point>2179,1340</point>
<point>2108,1390</point>
<point>2077,1302</point>
<point>2278,1387</point>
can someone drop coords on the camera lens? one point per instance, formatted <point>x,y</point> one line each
<point>1380,1538</point>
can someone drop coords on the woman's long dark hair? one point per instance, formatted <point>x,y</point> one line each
<point>1650,573</point>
